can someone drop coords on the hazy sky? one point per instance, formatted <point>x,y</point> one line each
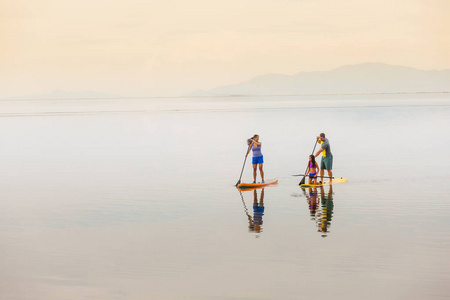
<point>172,47</point>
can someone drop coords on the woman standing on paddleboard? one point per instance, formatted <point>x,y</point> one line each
<point>257,156</point>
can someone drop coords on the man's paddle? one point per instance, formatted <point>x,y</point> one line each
<point>303,179</point>
<point>239,181</point>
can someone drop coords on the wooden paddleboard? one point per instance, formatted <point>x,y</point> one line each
<point>335,180</point>
<point>258,184</point>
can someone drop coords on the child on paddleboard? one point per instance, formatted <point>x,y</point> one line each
<point>313,169</point>
<point>255,145</point>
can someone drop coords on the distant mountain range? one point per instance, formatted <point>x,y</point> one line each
<point>349,79</point>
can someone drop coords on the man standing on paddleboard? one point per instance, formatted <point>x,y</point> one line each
<point>257,156</point>
<point>327,158</point>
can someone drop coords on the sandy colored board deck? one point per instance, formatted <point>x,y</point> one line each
<point>336,180</point>
<point>258,184</point>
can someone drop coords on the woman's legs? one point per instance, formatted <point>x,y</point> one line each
<point>260,171</point>
<point>255,167</point>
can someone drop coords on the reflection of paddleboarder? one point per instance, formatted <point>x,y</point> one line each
<point>258,210</point>
<point>255,221</point>
<point>324,221</point>
<point>312,201</point>
<point>257,156</point>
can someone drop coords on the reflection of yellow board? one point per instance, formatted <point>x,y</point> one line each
<point>336,180</point>
<point>255,185</point>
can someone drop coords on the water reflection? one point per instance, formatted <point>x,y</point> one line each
<point>255,221</point>
<point>324,217</point>
<point>311,199</point>
<point>321,207</point>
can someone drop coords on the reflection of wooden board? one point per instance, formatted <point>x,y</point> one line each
<point>336,180</point>
<point>258,184</point>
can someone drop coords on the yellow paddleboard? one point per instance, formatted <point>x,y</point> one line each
<point>335,180</point>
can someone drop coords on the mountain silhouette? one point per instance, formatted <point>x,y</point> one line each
<point>360,78</point>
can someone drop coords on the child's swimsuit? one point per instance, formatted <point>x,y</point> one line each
<point>312,175</point>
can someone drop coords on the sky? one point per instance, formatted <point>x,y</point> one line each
<point>144,48</point>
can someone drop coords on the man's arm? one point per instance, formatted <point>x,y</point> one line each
<point>318,152</point>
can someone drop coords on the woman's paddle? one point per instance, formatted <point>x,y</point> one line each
<point>303,179</point>
<point>239,181</point>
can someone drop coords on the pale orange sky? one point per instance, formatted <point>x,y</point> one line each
<point>172,47</point>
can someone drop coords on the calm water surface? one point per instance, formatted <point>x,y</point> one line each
<point>135,199</point>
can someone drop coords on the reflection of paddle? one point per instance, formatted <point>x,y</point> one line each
<point>303,179</point>
<point>250,220</point>
<point>239,181</point>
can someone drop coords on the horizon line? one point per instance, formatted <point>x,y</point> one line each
<point>223,96</point>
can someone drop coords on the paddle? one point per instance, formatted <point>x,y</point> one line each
<point>239,181</point>
<point>303,179</point>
